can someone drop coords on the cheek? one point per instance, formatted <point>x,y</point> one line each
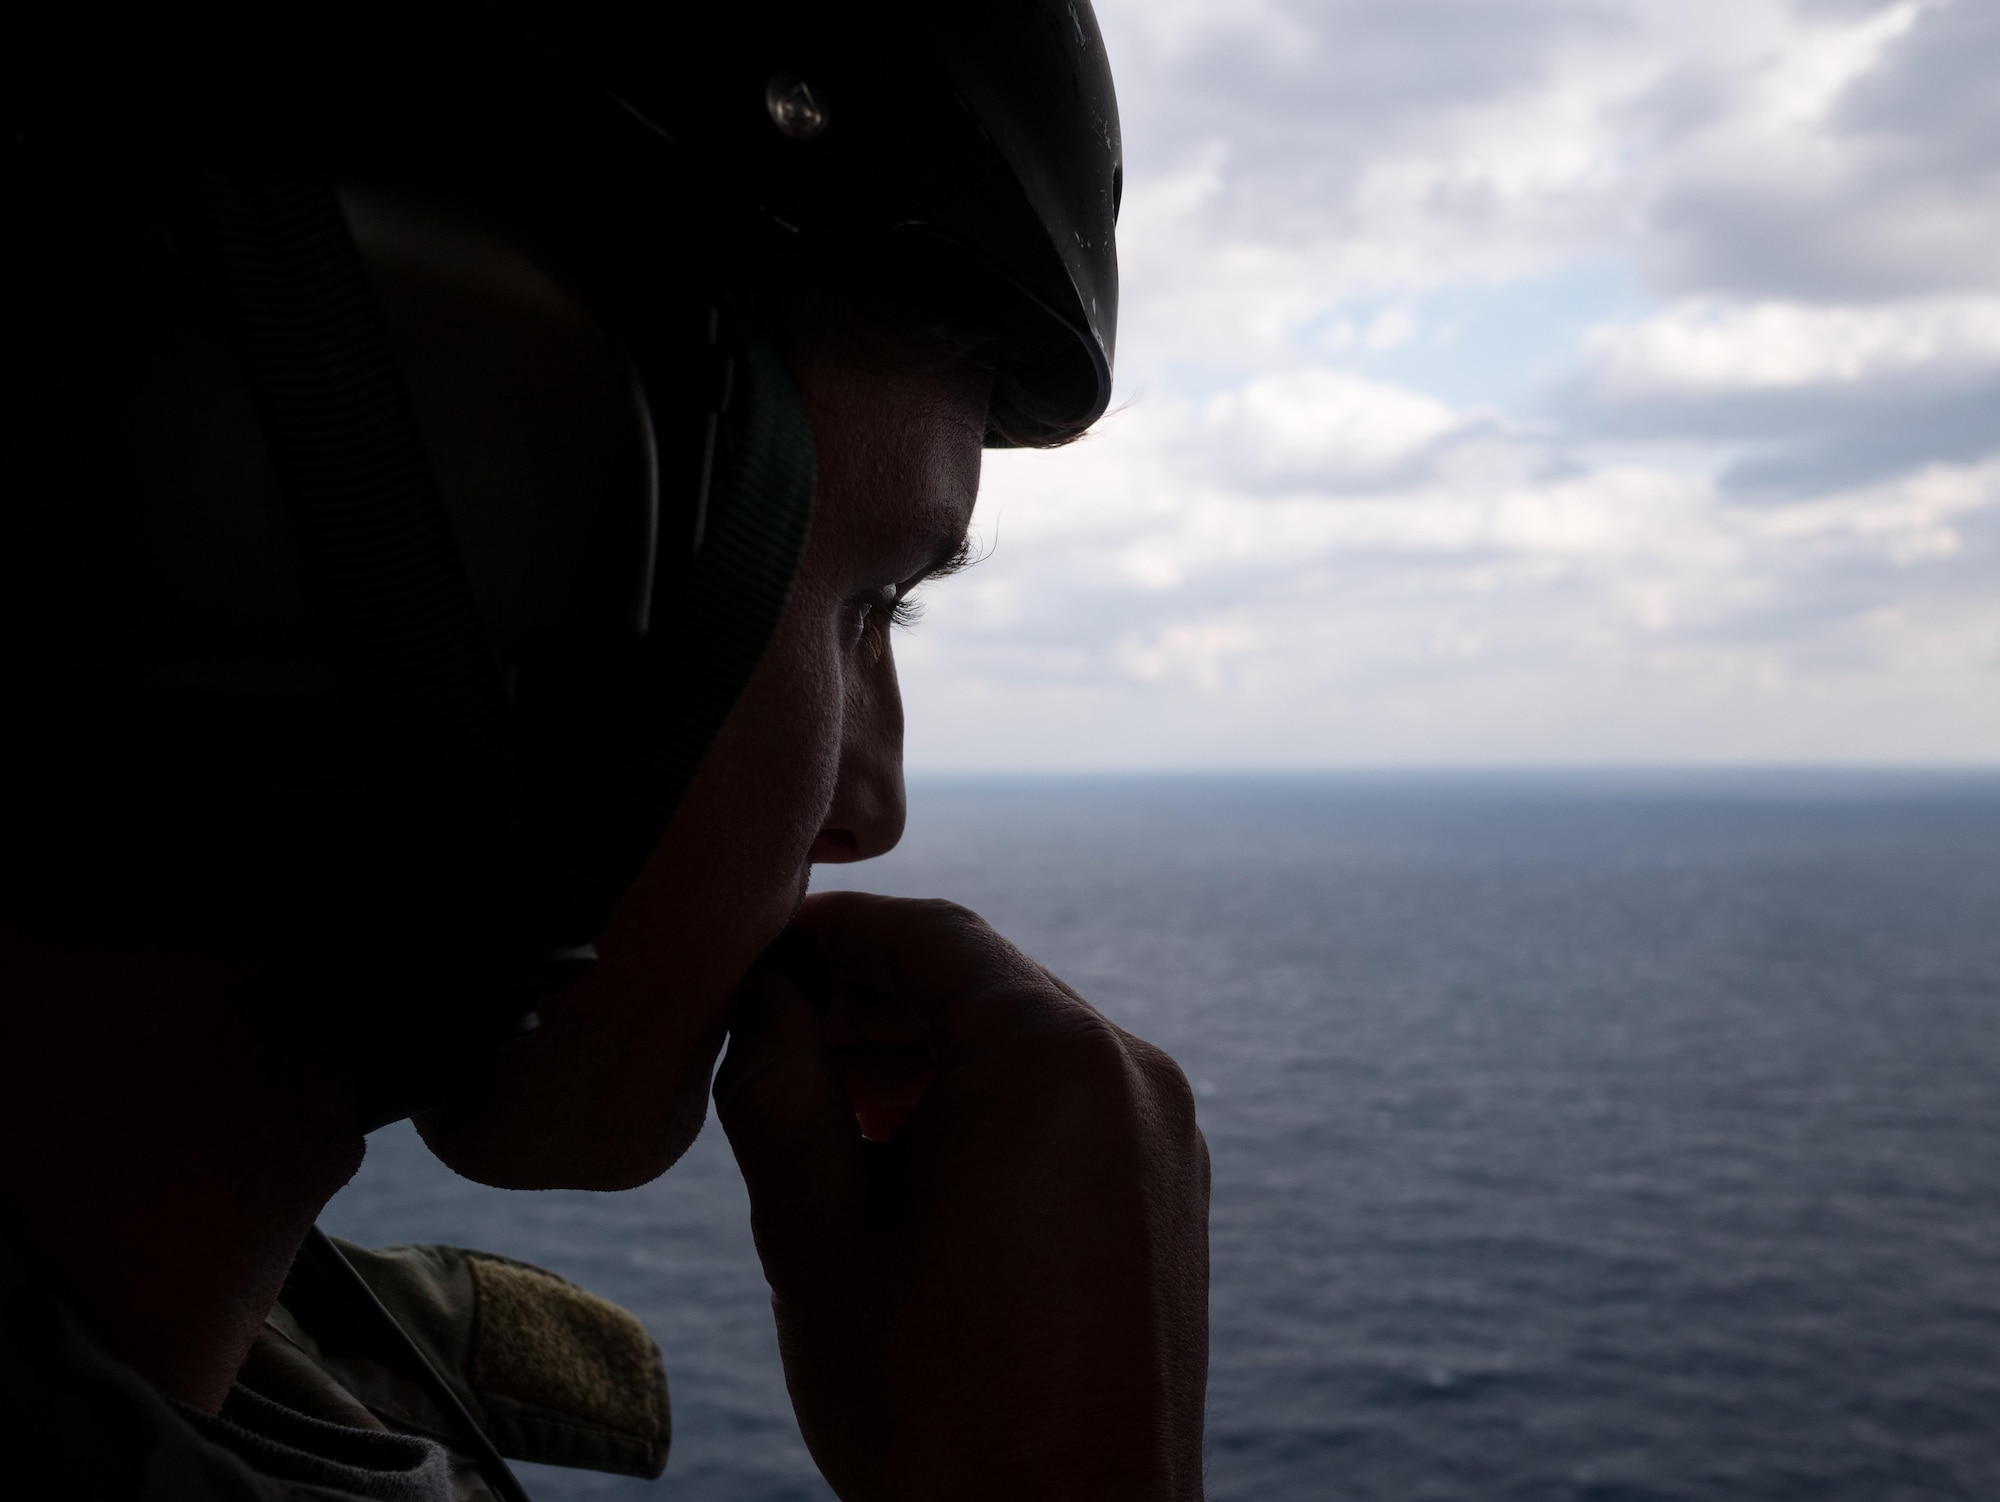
<point>777,761</point>
<point>732,865</point>
<point>615,1086</point>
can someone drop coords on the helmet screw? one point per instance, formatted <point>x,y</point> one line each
<point>795,108</point>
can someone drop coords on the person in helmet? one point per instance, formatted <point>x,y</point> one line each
<point>463,468</point>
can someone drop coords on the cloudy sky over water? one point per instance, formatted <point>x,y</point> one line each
<point>1517,381</point>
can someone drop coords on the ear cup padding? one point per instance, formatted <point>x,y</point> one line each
<point>616,736</point>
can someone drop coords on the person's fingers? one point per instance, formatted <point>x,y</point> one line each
<point>903,945</point>
<point>879,1123</point>
<point>964,981</point>
<point>884,1083</point>
<point>789,1122</point>
<point>861,1014</point>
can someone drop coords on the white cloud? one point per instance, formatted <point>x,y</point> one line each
<point>1321,430</point>
<point>1710,346</point>
<point>1912,520</point>
<point>1188,651</point>
<point>1831,164</point>
<point>1754,513</point>
<point>1800,399</point>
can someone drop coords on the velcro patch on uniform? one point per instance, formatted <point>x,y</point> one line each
<point>576,1379</point>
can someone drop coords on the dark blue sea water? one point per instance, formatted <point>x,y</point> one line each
<point>1575,1137</point>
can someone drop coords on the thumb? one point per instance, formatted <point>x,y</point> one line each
<point>791,1126</point>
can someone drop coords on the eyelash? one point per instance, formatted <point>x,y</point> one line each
<point>906,609</point>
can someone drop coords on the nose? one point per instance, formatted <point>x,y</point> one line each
<point>868,810</point>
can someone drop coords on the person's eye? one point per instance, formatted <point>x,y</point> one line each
<point>874,611</point>
<point>891,605</point>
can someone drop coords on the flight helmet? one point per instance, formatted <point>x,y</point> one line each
<point>438,841</point>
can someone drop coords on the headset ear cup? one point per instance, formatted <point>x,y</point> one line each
<point>577,692</point>
<point>758,517</point>
<point>614,737</point>
<point>374,831</point>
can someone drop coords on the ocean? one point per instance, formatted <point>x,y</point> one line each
<point>1576,1136</point>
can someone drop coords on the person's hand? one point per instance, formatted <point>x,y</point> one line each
<point>1009,1297</point>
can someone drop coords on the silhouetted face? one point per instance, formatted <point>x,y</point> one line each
<point>807,769</point>
<point>535,427</point>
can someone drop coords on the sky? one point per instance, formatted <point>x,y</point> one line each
<point>1515,383</point>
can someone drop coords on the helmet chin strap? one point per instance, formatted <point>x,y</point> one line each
<point>504,861</point>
